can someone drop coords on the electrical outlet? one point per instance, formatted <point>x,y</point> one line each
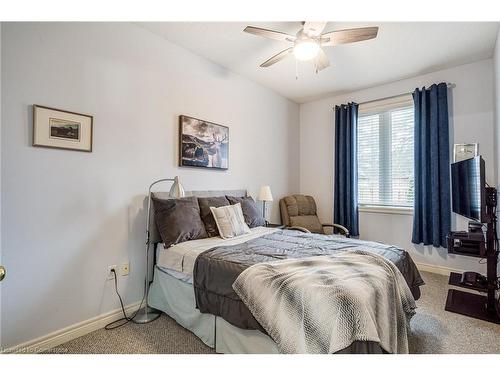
<point>125,269</point>
<point>111,275</point>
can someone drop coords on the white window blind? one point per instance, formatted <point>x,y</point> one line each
<point>385,154</point>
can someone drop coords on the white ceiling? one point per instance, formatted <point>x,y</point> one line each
<point>401,50</point>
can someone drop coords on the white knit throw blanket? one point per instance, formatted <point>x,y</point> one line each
<point>323,304</point>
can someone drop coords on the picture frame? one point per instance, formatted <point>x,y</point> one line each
<point>60,129</point>
<point>464,151</point>
<point>203,144</point>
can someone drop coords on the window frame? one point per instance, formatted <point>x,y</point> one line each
<point>383,106</point>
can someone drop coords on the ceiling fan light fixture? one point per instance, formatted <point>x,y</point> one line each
<point>309,41</point>
<point>305,50</point>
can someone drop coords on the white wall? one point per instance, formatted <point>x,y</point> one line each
<point>67,215</point>
<point>471,120</point>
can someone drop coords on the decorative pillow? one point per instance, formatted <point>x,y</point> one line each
<point>206,213</point>
<point>251,213</point>
<point>178,220</point>
<point>230,221</point>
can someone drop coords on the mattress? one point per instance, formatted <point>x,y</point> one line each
<point>178,260</point>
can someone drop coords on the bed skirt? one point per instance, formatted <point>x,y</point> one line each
<point>176,299</point>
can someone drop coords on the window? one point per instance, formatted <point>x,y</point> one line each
<point>385,153</point>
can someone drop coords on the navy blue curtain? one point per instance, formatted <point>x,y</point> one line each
<point>432,211</point>
<point>345,199</point>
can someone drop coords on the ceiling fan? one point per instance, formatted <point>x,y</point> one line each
<point>309,40</point>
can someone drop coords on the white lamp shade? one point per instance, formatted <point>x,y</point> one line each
<point>177,190</point>
<point>265,194</point>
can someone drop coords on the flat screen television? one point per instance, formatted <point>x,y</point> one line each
<point>468,188</point>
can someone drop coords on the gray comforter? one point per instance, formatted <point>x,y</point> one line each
<point>216,269</point>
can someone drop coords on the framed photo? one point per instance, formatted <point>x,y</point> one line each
<point>464,151</point>
<point>203,144</point>
<point>66,130</point>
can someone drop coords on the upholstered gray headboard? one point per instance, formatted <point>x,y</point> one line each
<point>155,236</point>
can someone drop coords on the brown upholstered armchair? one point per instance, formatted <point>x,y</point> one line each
<point>299,212</point>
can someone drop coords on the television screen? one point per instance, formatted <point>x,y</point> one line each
<point>468,188</point>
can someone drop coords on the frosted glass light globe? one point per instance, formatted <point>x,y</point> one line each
<point>305,50</point>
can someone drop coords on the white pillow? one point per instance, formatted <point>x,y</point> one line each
<point>230,220</point>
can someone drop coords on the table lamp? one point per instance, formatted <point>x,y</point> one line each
<point>265,195</point>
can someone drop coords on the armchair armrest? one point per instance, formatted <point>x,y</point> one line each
<point>302,229</point>
<point>343,229</point>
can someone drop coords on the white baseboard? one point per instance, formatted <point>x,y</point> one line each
<point>70,333</point>
<point>440,270</point>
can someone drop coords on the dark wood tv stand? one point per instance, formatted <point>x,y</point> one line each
<point>484,307</point>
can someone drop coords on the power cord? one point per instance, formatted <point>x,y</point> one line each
<point>125,319</point>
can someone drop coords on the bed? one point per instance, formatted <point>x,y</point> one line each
<point>193,281</point>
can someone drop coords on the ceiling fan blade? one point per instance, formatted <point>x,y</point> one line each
<point>321,61</point>
<point>314,28</point>
<point>278,57</point>
<point>348,36</point>
<point>270,34</point>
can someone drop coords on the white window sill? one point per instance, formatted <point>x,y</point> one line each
<point>386,210</point>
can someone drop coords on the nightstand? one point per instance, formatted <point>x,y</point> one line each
<point>278,226</point>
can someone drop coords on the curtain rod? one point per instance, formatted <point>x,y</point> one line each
<point>450,86</point>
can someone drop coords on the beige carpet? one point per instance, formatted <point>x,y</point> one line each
<point>437,331</point>
<point>433,331</point>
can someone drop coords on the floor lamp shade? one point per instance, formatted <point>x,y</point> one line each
<point>177,190</point>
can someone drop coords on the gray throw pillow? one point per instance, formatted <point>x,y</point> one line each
<point>178,220</point>
<point>251,213</point>
<point>206,214</point>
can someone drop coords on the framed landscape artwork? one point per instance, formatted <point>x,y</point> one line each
<point>203,144</point>
<point>56,128</point>
<point>464,151</point>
